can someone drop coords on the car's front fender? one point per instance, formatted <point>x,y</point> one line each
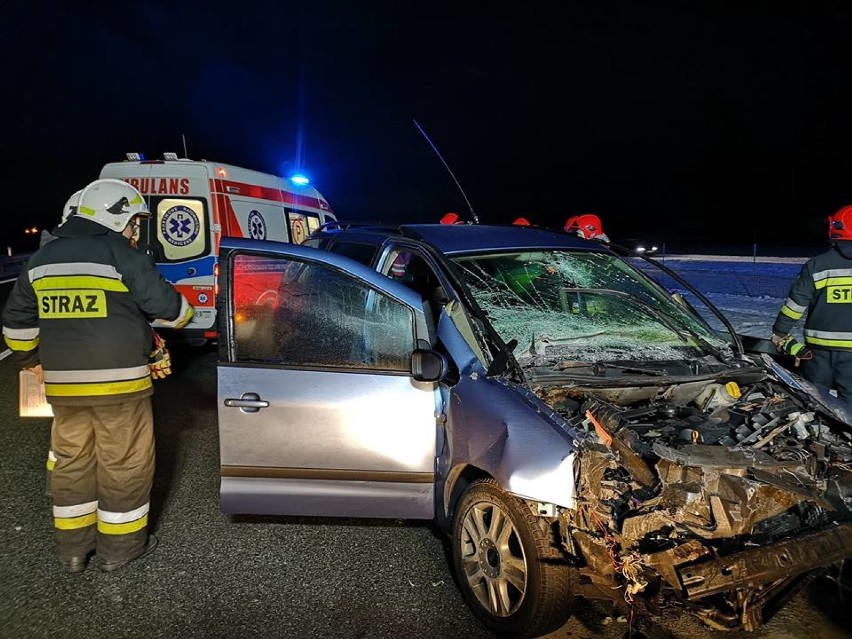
<point>493,426</point>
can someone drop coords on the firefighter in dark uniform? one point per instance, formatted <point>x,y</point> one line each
<point>79,314</point>
<point>823,291</point>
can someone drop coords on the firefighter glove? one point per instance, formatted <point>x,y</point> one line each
<point>788,345</point>
<point>160,362</point>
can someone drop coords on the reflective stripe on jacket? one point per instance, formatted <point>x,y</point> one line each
<point>823,292</point>
<point>82,308</point>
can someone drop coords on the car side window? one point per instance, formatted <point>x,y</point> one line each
<point>299,313</point>
<point>414,271</point>
<point>363,253</point>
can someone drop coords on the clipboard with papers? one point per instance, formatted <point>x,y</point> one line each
<point>31,399</point>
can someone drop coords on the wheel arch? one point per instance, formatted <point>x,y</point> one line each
<point>458,479</point>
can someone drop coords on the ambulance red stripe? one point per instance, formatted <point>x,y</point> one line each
<point>229,187</point>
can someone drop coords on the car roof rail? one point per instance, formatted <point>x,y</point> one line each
<point>342,225</point>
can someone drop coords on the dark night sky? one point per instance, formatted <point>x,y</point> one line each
<point>705,121</point>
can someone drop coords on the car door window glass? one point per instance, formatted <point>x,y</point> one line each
<point>363,253</point>
<point>307,314</point>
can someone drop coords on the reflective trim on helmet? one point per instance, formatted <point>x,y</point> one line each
<point>60,282</point>
<point>96,375</point>
<point>97,390</point>
<point>76,510</point>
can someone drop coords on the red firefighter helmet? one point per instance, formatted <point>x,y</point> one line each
<point>840,224</point>
<point>587,226</point>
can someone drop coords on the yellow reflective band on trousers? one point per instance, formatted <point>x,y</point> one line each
<point>73,523</point>
<point>84,389</point>
<point>124,528</point>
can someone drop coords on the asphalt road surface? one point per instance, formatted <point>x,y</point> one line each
<point>218,577</point>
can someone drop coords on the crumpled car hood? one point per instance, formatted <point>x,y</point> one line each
<point>675,477</point>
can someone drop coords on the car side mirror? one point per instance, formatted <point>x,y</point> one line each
<point>428,366</point>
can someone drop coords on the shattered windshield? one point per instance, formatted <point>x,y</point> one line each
<point>556,305</point>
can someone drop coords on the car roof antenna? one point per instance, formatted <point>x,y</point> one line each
<point>447,166</point>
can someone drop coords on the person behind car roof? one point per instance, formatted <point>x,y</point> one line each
<point>588,226</point>
<point>452,218</point>
<point>823,292</point>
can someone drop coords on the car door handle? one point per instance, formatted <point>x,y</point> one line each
<point>248,402</point>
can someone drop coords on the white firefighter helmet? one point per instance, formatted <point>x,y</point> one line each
<point>111,203</point>
<point>71,205</point>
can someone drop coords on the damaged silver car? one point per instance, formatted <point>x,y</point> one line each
<point>574,428</point>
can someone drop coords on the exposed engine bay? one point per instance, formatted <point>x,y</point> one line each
<point>722,496</point>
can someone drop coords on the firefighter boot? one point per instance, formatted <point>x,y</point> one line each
<point>150,545</point>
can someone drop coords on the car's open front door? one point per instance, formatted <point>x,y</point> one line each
<point>318,412</point>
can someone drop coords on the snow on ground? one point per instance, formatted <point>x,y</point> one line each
<point>748,315</point>
<point>748,291</point>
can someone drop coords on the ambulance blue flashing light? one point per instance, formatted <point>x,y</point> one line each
<point>299,179</point>
<point>135,157</point>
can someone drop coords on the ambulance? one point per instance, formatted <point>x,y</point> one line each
<point>194,203</point>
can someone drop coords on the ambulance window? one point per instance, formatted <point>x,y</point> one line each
<point>313,222</point>
<point>181,228</point>
<point>302,224</point>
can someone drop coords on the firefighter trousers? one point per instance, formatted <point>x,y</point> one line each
<point>102,478</point>
<point>831,369</point>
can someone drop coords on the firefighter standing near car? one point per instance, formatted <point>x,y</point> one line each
<point>823,292</point>
<point>80,312</point>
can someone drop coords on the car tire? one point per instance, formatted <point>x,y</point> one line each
<point>494,532</point>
